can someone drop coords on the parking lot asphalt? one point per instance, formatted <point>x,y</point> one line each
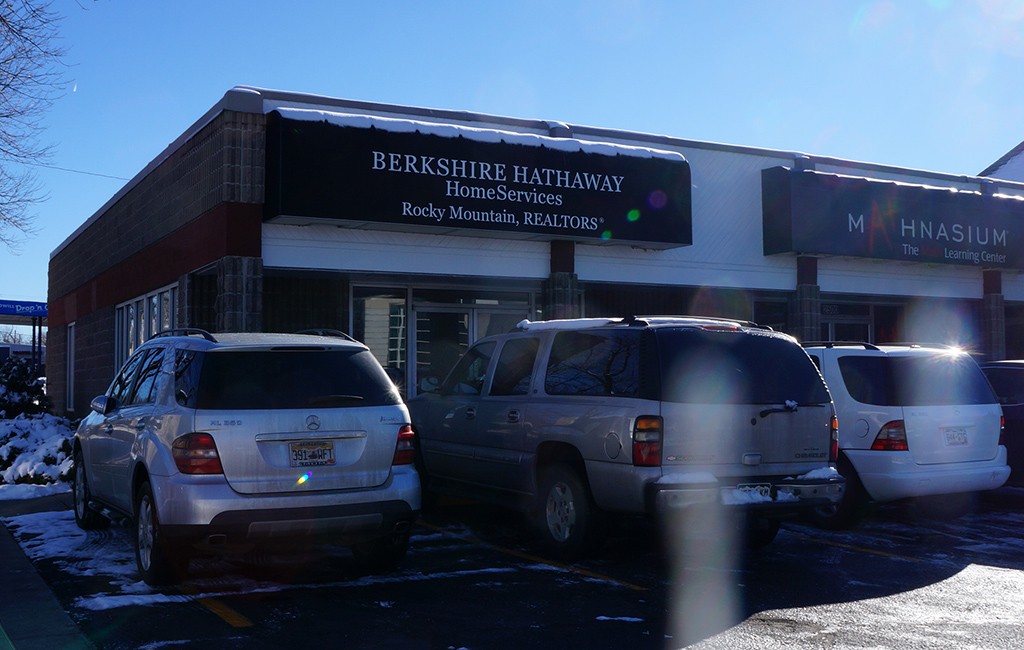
<point>30,615</point>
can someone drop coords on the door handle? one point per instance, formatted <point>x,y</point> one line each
<point>471,413</point>
<point>514,416</point>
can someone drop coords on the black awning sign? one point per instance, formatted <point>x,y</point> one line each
<point>809,212</point>
<point>466,181</point>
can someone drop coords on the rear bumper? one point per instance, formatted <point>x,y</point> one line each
<point>764,496</point>
<point>892,475</point>
<point>206,511</point>
<point>344,524</point>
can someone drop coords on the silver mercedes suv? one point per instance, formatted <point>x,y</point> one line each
<point>575,419</point>
<point>226,442</point>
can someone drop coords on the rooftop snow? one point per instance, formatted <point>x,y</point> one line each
<point>493,136</point>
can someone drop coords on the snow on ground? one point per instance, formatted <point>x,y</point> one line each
<point>35,456</point>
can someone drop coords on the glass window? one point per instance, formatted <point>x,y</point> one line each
<point>1008,384</point>
<point>186,376</point>
<point>145,388</point>
<point>138,320</point>
<point>594,363</point>
<point>467,377</point>
<point>380,320</point>
<point>293,379</point>
<point>441,338</point>
<point>121,389</point>
<point>515,367</point>
<point>70,392</point>
<point>944,379</point>
<point>732,367</point>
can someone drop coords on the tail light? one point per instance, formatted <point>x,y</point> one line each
<point>405,449</point>
<point>891,437</point>
<point>196,453</point>
<point>647,435</point>
<point>833,447</point>
<point>1002,430</point>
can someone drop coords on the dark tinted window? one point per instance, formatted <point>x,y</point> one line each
<point>915,381</point>
<point>514,367</point>
<point>1008,384</point>
<point>732,367</point>
<point>292,379</point>
<point>594,363</point>
<point>467,377</point>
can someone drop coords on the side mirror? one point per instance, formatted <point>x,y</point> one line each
<point>103,404</point>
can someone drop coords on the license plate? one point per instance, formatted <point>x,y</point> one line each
<point>762,489</point>
<point>955,436</point>
<point>746,494</point>
<point>310,454</point>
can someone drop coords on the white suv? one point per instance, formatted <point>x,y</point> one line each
<point>913,421</point>
<point>221,443</point>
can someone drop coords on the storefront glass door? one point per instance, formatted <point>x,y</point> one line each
<point>837,330</point>
<point>443,333</point>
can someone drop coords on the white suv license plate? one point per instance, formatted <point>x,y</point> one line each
<point>311,454</point>
<point>955,436</point>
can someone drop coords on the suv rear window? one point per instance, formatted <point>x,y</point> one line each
<point>915,381</point>
<point>284,379</point>
<point>731,367</point>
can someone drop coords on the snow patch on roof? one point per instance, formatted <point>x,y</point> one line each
<point>493,136</point>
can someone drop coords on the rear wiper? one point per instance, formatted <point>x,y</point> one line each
<point>321,400</point>
<point>790,407</point>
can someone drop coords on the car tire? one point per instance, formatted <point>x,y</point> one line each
<point>850,510</point>
<point>382,555</point>
<point>85,517</point>
<point>565,517</point>
<point>158,563</point>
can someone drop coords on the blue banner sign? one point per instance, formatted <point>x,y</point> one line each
<point>18,308</point>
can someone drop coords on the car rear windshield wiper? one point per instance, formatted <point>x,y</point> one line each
<point>790,407</point>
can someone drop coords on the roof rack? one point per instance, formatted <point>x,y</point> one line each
<point>649,319</point>
<point>186,331</point>
<point>327,332</point>
<point>636,321</point>
<point>832,344</point>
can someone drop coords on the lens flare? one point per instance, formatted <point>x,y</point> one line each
<point>657,199</point>
<point>305,477</point>
<point>633,215</point>
<point>606,235</point>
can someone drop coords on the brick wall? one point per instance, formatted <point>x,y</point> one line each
<point>202,202</point>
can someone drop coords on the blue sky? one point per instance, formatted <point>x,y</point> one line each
<point>923,84</point>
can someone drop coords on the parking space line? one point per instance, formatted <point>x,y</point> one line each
<point>226,613</point>
<point>859,549</point>
<point>533,558</point>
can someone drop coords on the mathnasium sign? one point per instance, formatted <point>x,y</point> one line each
<point>809,212</point>
<point>371,172</point>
